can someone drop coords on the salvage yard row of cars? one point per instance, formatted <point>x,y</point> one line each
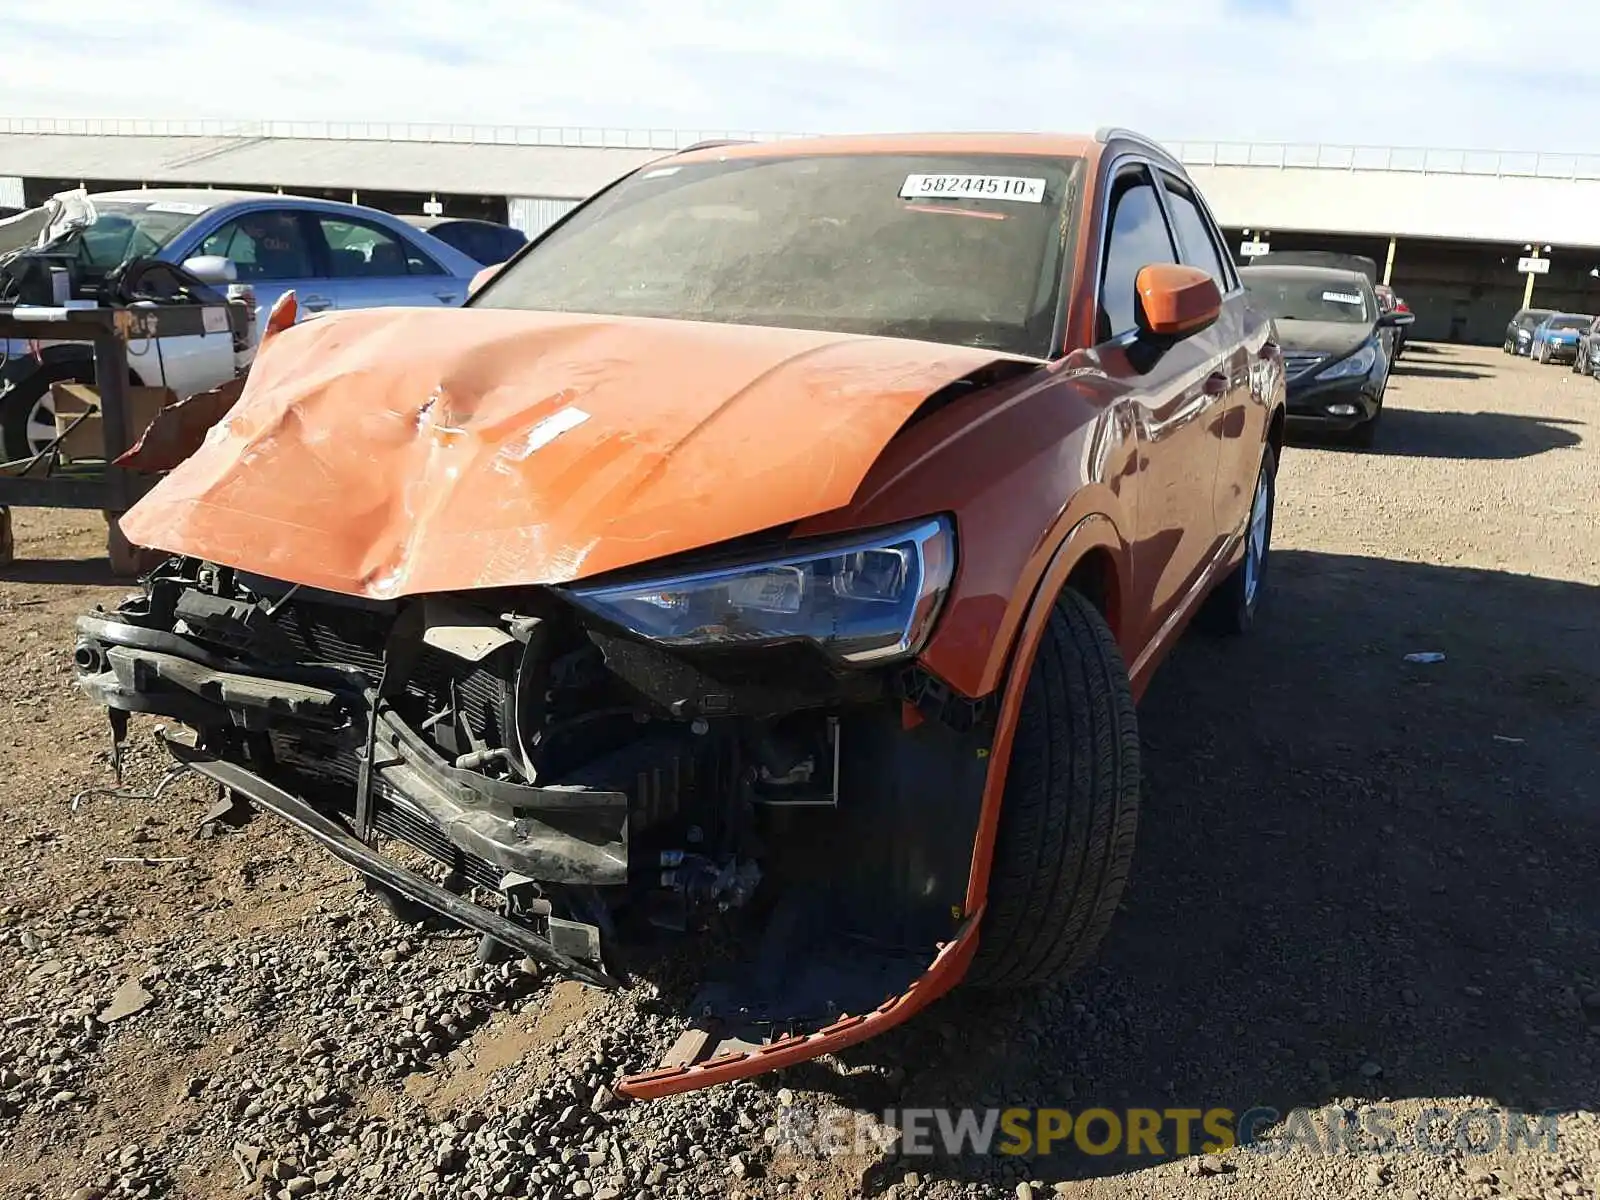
<point>772,551</point>
<point>1548,336</point>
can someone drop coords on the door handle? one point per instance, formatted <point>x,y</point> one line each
<point>448,297</point>
<point>317,303</point>
<point>1216,383</point>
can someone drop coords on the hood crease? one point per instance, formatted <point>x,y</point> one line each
<point>400,452</point>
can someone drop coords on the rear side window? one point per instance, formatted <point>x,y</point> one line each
<point>359,250</point>
<point>1137,237</point>
<point>1195,239</point>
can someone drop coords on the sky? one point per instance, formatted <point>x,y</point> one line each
<point>1463,74</point>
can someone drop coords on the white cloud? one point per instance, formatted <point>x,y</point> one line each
<point>1459,73</point>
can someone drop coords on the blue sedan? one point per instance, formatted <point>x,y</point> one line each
<point>332,255</point>
<point>1556,337</point>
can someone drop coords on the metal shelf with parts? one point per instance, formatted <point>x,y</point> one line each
<point>41,480</point>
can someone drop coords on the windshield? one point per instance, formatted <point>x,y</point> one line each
<point>963,249</point>
<point>1579,322</point>
<point>1305,298</point>
<point>125,229</point>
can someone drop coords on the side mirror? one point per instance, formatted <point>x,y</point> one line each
<point>214,269</point>
<point>1176,300</point>
<point>1396,319</point>
<point>483,277</point>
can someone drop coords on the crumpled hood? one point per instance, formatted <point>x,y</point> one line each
<point>399,452</point>
<point>1321,337</point>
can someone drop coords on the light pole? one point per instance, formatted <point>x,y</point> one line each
<point>1527,290</point>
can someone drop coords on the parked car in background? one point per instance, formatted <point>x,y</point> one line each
<point>1332,330</point>
<point>1519,330</point>
<point>1588,355</point>
<point>333,255</point>
<point>486,242</point>
<point>1336,259</point>
<point>782,562</point>
<point>1390,301</point>
<point>1555,339</point>
<point>1388,334</point>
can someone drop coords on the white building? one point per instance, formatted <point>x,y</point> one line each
<point>1449,226</point>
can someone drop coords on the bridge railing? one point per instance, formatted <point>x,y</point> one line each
<point>1320,156</point>
<point>1327,157</point>
<point>372,131</point>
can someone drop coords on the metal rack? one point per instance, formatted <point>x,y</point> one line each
<point>108,488</point>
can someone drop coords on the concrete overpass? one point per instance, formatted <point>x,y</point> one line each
<point>1449,225</point>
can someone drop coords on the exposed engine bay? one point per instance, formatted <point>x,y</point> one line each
<point>577,792</point>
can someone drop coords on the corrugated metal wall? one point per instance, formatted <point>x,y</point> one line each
<point>534,214</point>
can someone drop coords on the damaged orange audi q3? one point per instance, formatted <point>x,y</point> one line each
<point>771,552</point>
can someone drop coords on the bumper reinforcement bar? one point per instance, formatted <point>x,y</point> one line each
<point>352,852</point>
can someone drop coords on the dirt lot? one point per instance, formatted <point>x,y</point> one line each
<point>1361,882</point>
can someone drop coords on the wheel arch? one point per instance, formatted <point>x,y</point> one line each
<point>1276,432</point>
<point>68,356</point>
<point>1092,557</point>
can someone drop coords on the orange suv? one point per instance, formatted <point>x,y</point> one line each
<point>771,552</point>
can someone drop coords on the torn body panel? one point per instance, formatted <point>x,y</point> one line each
<point>565,782</point>
<point>393,453</point>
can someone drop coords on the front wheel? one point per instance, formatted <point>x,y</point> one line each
<point>28,410</point>
<point>1544,355</point>
<point>1070,809</point>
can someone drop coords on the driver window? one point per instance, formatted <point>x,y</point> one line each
<point>1138,236</point>
<point>265,246</point>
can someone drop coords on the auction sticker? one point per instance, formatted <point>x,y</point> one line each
<point>973,187</point>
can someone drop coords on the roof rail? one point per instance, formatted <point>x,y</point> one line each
<point>1107,133</point>
<point>712,143</point>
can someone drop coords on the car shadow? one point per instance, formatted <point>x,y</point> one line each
<point>76,572</point>
<point>1357,877</point>
<point>1422,433</point>
<point>1405,370</point>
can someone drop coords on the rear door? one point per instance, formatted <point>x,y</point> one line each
<point>1176,392</point>
<point>1236,424</point>
<point>371,266</point>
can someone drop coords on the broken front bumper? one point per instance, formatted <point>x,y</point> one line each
<point>553,834</point>
<point>328,746</point>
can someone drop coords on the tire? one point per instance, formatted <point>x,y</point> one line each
<point>27,412</point>
<point>1070,810</point>
<point>1544,355</point>
<point>1233,606</point>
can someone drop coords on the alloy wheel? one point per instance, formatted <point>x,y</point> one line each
<point>1255,550</point>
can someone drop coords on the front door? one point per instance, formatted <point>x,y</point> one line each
<point>1174,391</point>
<point>1237,425</point>
<point>272,252</point>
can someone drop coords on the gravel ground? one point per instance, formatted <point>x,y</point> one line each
<point>1362,882</point>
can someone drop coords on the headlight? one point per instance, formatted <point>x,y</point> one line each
<point>868,599</point>
<point>1358,363</point>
